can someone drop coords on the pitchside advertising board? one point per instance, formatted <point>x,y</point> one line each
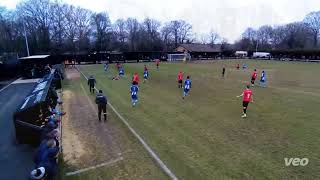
<point>28,117</point>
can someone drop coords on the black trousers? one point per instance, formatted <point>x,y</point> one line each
<point>91,88</point>
<point>102,108</point>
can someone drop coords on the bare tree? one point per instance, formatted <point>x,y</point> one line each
<point>71,29</point>
<point>102,30</point>
<point>296,35</point>
<point>278,36</point>
<point>120,28</point>
<point>59,23</point>
<point>83,28</point>
<point>167,36</point>
<point>132,26</point>
<point>181,30</point>
<point>151,26</point>
<point>36,14</point>
<point>203,38</point>
<point>185,32</point>
<point>150,34</point>
<point>249,33</point>
<point>214,37</point>
<point>313,21</point>
<point>263,37</point>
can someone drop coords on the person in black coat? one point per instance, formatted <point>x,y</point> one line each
<point>102,102</point>
<point>91,83</point>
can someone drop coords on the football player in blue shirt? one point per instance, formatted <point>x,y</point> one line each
<point>187,86</point>
<point>106,67</point>
<point>263,80</point>
<point>121,72</point>
<point>145,75</point>
<point>134,94</point>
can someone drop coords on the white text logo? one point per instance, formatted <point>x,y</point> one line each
<point>296,161</point>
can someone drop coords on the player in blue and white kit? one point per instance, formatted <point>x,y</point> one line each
<point>145,75</point>
<point>134,94</point>
<point>263,79</point>
<point>244,66</point>
<point>187,86</point>
<point>106,67</point>
<point>121,71</point>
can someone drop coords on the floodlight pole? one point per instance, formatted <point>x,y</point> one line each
<point>25,36</point>
<point>257,46</point>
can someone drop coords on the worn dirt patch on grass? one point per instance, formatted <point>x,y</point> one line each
<point>72,74</point>
<point>87,141</point>
<point>72,146</point>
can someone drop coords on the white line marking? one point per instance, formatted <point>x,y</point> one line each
<point>96,112</point>
<point>109,163</point>
<point>145,145</point>
<point>20,81</point>
<point>6,86</point>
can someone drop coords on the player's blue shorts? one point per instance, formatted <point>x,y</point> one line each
<point>145,76</point>
<point>134,97</point>
<point>186,90</point>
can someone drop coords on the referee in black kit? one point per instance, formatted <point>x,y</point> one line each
<point>91,83</point>
<point>102,102</point>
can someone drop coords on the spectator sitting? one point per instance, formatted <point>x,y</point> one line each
<point>47,157</point>
<point>53,119</point>
<point>47,149</point>
<point>35,71</point>
<point>47,69</point>
<point>56,111</point>
<point>54,134</point>
<point>38,173</point>
<point>48,128</point>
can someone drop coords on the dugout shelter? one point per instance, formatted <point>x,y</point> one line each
<point>31,114</point>
<point>36,63</point>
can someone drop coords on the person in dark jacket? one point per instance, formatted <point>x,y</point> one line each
<point>91,83</point>
<point>223,71</point>
<point>101,101</point>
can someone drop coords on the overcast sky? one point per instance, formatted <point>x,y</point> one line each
<point>227,17</point>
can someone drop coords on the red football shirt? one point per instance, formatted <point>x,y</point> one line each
<point>180,76</point>
<point>247,95</point>
<point>135,78</point>
<point>254,75</point>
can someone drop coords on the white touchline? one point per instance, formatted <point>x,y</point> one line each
<point>94,109</point>
<point>7,85</point>
<point>145,145</point>
<point>94,167</point>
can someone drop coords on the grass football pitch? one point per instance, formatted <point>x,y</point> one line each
<point>204,136</point>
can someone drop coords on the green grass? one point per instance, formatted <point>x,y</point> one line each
<point>203,136</point>
<point>136,163</point>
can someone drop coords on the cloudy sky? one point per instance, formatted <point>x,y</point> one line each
<point>227,17</point>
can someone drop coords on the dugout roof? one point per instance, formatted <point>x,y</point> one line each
<point>35,57</point>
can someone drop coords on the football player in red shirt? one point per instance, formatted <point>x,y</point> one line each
<point>180,79</point>
<point>157,63</point>
<point>247,97</point>
<point>253,77</point>
<point>135,79</point>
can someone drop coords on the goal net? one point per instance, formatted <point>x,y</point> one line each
<point>179,57</point>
